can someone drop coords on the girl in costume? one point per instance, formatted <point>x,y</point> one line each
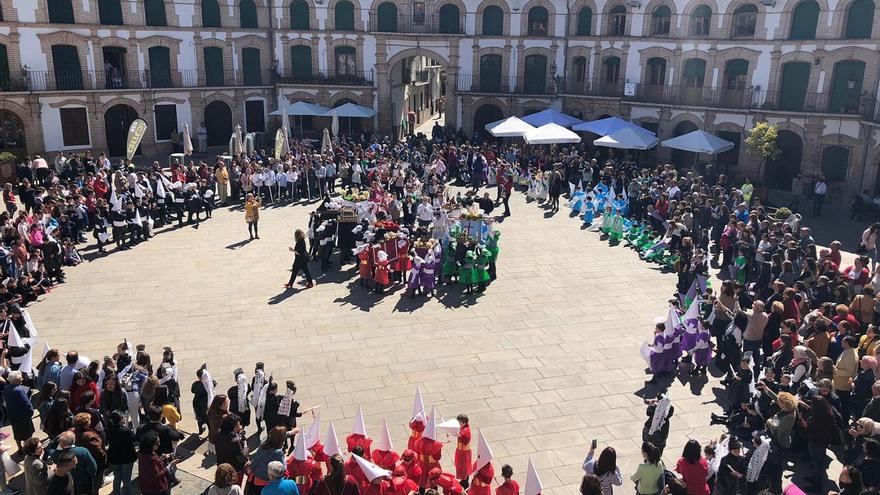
<point>426,274</point>
<point>365,268</point>
<point>543,187</point>
<point>415,278</point>
<point>466,271</point>
<point>449,267</point>
<point>607,220</point>
<point>588,209</point>
<point>494,249</point>
<point>577,200</point>
<point>382,277</point>
<point>484,256</point>
<point>702,351</point>
<point>402,264</point>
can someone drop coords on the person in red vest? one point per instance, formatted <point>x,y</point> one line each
<point>401,484</point>
<point>384,455</point>
<point>301,468</point>
<point>509,487</point>
<point>429,449</point>
<point>483,470</point>
<point>463,451</point>
<point>446,481</point>
<point>358,437</point>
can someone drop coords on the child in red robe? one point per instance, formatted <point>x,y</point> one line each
<point>463,451</point>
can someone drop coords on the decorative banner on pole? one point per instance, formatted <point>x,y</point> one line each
<point>279,142</point>
<point>136,132</point>
<point>249,143</point>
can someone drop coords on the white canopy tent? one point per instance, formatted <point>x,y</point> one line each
<point>699,142</point>
<point>509,127</point>
<point>627,138</point>
<point>610,125</point>
<point>551,134</point>
<point>301,109</point>
<point>551,116</point>
<point>351,111</point>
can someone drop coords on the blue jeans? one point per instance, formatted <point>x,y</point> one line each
<point>122,476</point>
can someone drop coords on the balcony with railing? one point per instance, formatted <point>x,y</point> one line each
<point>86,80</point>
<point>592,87</point>
<point>496,84</point>
<point>357,78</point>
<point>415,24</point>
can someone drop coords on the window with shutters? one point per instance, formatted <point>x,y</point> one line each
<point>804,20</point>
<point>538,21</point>
<point>579,67</point>
<point>701,21</point>
<point>210,13</point>
<point>661,20</point>
<point>859,19</point>
<point>299,15</point>
<point>656,71</point>
<point>612,70</point>
<point>535,74</point>
<point>617,21</point>
<point>745,18</point>
<point>154,13</point>
<point>255,116</point>
<point>493,21</point>
<point>846,86</point>
<point>585,21</point>
<point>247,14</point>
<point>835,162</point>
<point>250,61</point>
<point>387,17</point>
<point>735,72</point>
<point>213,60</point>
<point>5,83</point>
<point>450,19</point>
<point>694,72</point>
<point>490,73</point>
<point>160,66</point>
<point>110,12</point>
<point>301,62</point>
<point>793,88</point>
<point>60,11</point>
<point>346,61</point>
<point>68,72</point>
<point>343,13</point>
<point>166,121</point>
<point>74,126</point>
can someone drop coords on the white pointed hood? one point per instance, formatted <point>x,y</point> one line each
<point>431,425</point>
<point>314,433</point>
<point>331,444</point>
<point>418,411</point>
<point>14,338</point>
<point>299,448</point>
<point>533,482</point>
<point>359,427</point>
<point>385,444</point>
<point>370,470</point>
<point>484,452</point>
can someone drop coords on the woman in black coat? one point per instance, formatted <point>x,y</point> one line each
<point>230,446</point>
<point>121,454</point>
<point>300,261</point>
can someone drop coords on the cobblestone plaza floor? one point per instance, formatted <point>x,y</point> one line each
<point>544,361</point>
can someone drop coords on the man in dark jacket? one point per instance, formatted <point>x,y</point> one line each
<point>167,434</point>
<point>19,410</point>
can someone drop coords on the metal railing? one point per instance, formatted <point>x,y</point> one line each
<point>592,87</point>
<point>471,83</point>
<point>119,80</point>
<point>416,24</point>
<point>359,78</point>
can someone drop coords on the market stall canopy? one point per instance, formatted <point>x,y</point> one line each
<point>509,127</point>
<point>551,134</point>
<point>699,142</point>
<point>628,139</point>
<point>302,108</point>
<point>551,116</point>
<point>610,125</point>
<point>351,110</point>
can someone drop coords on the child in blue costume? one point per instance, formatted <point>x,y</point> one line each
<point>589,210</point>
<point>577,200</point>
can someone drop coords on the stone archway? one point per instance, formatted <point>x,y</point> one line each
<point>404,105</point>
<point>12,133</point>
<point>486,113</point>
<point>117,120</point>
<point>218,123</point>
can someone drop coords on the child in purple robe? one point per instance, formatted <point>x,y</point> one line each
<point>414,283</point>
<point>426,274</point>
<point>660,361</point>
<point>702,352</point>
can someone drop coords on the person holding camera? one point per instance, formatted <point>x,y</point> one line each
<point>154,469</point>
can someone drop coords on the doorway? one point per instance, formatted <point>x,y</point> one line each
<point>117,120</point>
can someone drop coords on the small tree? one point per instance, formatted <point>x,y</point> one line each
<point>761,142</point>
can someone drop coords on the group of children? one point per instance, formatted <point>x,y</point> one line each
<point>677,336</point>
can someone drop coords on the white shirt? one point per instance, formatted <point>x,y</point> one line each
<point>821,187</point>
<point>425,212</point>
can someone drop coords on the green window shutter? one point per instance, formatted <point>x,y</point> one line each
<point>301,61</point>
<point>846,86</point>
<point>160,66</point>
<point>387,16</point>
<point>859,19</point>
<point>695,72</point>
<point>247,14</point>
<point>793,88</point>
<point>585,22</point>
<point>154,13</point>
<point>60,11</point>
<point>450,19</point>
<point>535,74</point>
<point>490,73</point>
<point>737,67</point>
<point>493,21</point>
<point>68,73</point>
<point>299,15</point>
<point>210,13</point>
<point>804,20</point>
<point>656,68</point>
<point>344,14</point>
<point>612,70</point>
<point>213,66</point>
<point>250,62</point>
<point>835,161</point>
<point>110,12</point>
<point>4,69</point>
<point>538,21</point>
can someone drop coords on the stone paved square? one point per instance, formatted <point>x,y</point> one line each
<point>544,361</point>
